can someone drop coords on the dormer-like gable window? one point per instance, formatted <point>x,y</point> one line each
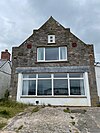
<point>52,54</point>
<point>51,38</point>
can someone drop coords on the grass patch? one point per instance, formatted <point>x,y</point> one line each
<point>9,103</point>
<point>10,108</point>
<point>36,109</point>
<point>2,125</point>
<point>67,110</point>
<point>4,113</point>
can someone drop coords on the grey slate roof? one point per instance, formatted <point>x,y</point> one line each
<point>2,62</point>
<point>2,65</point>
<point>53,69</point>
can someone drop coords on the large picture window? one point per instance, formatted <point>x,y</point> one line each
<point>52,54</point>
<point>53,84</point>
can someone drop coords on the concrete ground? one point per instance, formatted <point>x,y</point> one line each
<point>55,120</point>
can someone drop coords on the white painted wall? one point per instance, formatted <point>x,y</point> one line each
<point>97,71</point>
<point>57,101</point>
<point>5,78</point>
<point>67,101</point>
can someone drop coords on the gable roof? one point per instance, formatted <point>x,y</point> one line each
<point>50,25</point>
<point>50,22</point>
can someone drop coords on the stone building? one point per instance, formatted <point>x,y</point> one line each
<point>54,67</point>
<point>5,72</point>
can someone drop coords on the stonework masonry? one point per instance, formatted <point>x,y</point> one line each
<point>80,55</point>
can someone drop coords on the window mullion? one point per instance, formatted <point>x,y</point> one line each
<point>59,53</point>
<point>44,53</point>
<point>52,84</point>
<point>37,53</point>
<point>36,83</point>
<point>68,84</point>
<point>84,80</point>
<point>66,52</point>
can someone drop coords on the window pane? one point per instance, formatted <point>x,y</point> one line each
<point>63,53</point>
<point>60,87</point>
<point>44,87</point>
<point>40,53</point>
<point>60,75</point>
<point>76,75</point>
<point>51,53</point>
<point>29,75</point>
<point>29,87</point>
<point>77,87</point>
<point>44,75</point>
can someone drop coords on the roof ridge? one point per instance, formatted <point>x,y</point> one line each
<point>51,18</point>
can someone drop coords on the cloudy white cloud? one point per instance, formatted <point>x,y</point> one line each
<point>18,19</point>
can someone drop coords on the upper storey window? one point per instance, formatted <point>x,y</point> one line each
<point>52,54</point>
<point>51,38</point>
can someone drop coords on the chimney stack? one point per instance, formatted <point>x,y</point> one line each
<point>5,55</point>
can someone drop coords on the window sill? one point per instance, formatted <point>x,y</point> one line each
<point>52,61</point>
<point>77,96</point>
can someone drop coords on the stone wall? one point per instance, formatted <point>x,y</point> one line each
<point>79,53</point>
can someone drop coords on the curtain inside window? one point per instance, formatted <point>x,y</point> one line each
<point>25,87</point>
<point>29,87</point>
<point>77,87</point>
<point>40,53</point>
<point>82,87</point>
<point>63,52</point>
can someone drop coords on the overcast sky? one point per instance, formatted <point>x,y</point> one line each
<point>18,18</point>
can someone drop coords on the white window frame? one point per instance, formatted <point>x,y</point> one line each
<point>78,78</point>
<point>52,80</point>
<point>51,40</point>
<point>51,60</point>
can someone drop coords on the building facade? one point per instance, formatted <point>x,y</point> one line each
<point>5,72</point>
<point>54,67</point>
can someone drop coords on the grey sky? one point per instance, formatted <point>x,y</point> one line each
<point>19,17</point>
